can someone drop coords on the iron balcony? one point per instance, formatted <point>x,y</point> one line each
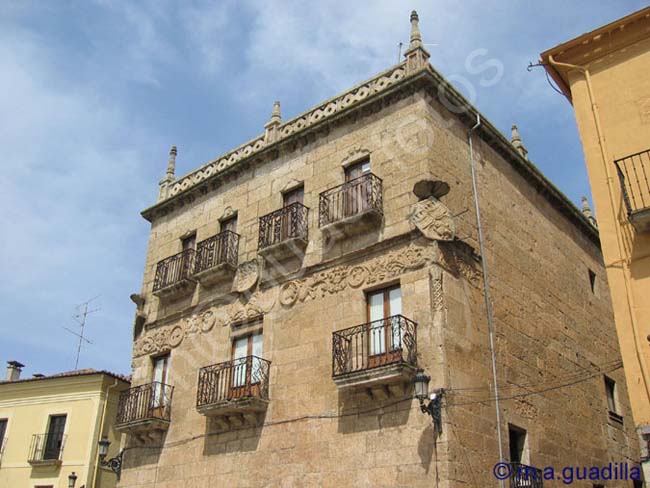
<point>524,476</point>
<point>174,275</point>
<point>634,177</point>
<point>380,352</point>
<point>145,407</point>
<point>232,386</point>
<point>216,258</point>
<point>352,207</point>
<point>284,232</point>
<point>46,448</point>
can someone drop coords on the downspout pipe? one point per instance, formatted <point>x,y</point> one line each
<point>101,429</point>
<point>624,261</point>
<point>486,289</point>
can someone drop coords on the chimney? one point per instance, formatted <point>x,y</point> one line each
<point>13,370</point>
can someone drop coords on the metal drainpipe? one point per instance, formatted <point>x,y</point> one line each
<point>486,287</point>
<point>619,239</point>
<point>101,430</point>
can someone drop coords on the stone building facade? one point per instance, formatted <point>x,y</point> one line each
<point>293,286</point>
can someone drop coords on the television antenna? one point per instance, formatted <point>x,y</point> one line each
<point>80,317</point>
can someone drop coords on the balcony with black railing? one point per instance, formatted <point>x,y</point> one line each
<point>234,389</point>
<point>381,352</point>
<point>145,408</point>
<point>46,449</point>
<point>634,177</point>
<point>284,233</point>
<point>174,275</point>
<point>524,476</point>
<point>353,207</point>
<point>215,259</point>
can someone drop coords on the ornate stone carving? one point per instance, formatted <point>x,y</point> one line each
<point>339,278</point>
<point>431,217</point>
<point>227,213</point>
<point>524,408</point>
<point>357,94</point>
<point>355,154</point>
<point>247,275</point>
<point>324,283</point>
<point>172,336</point>
<point>291,184</point>
<point>435,280</point>
<point>458,258</point>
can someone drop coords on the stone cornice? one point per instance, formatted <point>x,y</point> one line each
<point>387,84</point>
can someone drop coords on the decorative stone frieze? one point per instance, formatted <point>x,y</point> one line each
<point>357,94</point>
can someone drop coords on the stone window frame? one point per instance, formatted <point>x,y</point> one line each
<point>525,452</point>
<point>614,416</point>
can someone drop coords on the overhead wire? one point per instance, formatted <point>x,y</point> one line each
<point>617,364</point>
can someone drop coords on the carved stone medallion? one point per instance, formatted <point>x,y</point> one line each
<point>247,275</point>
<point>431,217</point>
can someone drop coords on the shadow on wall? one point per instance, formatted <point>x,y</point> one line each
<point>138,454</point>
<point>242,438</point>
<point>427,448</point>
<point>361,413</point>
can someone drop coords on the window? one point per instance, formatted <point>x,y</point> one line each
<point>294,196</point>
<point>229,224</point>
<point>3,432</point>
<point>357,193</point>
<point>612,403</point>
<point>189,242</point>
<point>356,170</point>
<point>160,377</point>
<point>246,353</point>
<point>592,281</point>
<point>385,335</point>
<point>54,437</point>
<point>290,225</point>
<point>518,448</point>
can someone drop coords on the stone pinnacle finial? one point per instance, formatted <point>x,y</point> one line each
<point>169,177</point>
<point>416,56</point>
<point>586,211</point>
<point>272,125</point>
<point>416,38</point>
<point>517,142</point>
<point>171,166</point>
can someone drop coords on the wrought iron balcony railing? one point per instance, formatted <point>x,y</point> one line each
<point>634,176</point>
<point>378,343</point>
<point>46,448</point>
<point>145,402</point>
<point>239,378</point>
<point>222,248</point>
<point>523,476</point>
<point>173,270</point>
<point>352,198</point>
<point>289,222</point>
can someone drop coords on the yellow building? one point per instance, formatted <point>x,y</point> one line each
<point>50,427</point>
<point>605,74</point>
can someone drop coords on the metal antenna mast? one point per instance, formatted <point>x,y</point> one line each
<point>80,318</point>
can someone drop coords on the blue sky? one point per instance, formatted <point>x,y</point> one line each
<point>94,93</point>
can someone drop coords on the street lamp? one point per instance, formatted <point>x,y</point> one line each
<point>114,464</point>
<point>433,408</point>
<point>72,479</point>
